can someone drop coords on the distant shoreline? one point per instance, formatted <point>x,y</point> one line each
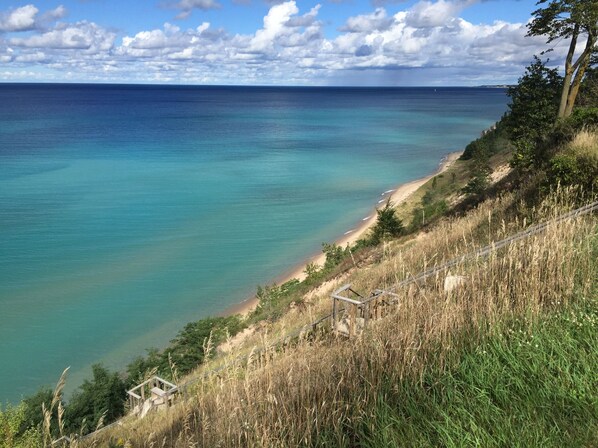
<point>397,195</point>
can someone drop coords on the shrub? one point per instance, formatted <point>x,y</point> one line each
<point>577,164</point>
<point>12,434</point>
<point>334,255</point>
<point>188,349</point>
<point>272,301</point>
<point>491,142</point>
<point>425,214</point>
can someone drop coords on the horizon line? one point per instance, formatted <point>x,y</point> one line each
<point>124,83</point>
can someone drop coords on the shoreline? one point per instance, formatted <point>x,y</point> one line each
<point>397,195</point>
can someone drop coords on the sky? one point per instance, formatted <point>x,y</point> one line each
<point>268,42</point>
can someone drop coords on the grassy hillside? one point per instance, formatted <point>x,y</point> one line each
<point>507,360</point>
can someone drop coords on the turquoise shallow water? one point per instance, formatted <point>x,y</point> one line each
<point>127,211</point>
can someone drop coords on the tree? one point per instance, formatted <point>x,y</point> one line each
<point>103,396</point>
<point>388,224</point>
<point>574,20</point>
<point>480,170</point>
<point>33,416</point>
<point>533,109</point>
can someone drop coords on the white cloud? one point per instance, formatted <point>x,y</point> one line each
<point>80,36</point>
<point>274,26</point>
<point>19,19</point>
<point>306,19</point>
<point>427,14</point>
<point>172,43</point>
<point>37,56</point>
<point>376,21</point>
<point>57,13</point>
<point>26,18</point>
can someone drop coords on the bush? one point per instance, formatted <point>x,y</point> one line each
<point>270,297</point>
<point>12,420</point>
<point>334,255</point>
<point>577,164</point>
<point>490,143</point>
<point>427,213</point>
<point>187,350</point>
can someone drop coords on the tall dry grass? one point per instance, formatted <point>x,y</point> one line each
<point>318,391</point>
<point>585,143</point>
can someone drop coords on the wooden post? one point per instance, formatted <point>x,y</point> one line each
<point>334,314</point>
<point>353,317</point>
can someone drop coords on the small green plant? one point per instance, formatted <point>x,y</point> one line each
<point>311,270</point>
<point>334,254</point>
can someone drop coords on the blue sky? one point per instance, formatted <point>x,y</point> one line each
<point>331,42</point>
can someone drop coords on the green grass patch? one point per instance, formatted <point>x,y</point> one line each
<point>527,385</point>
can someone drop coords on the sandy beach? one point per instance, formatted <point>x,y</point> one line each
<point>397,195</point>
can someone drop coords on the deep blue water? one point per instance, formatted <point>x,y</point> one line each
<point>127,211</point>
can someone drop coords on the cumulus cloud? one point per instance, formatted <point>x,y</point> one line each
<point>81,36</point>
<point>376,21</point>
<point>427,14</point>
<point>19,19</point>
<point>54,14</point>
<point>284,28</point>
<point>26,18</point>
<point>274,26</point>
<point>173,43</point>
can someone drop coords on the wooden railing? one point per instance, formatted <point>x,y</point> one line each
<point>157,389</point>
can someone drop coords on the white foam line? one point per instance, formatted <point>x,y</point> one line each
<point>366,218</point>
<point>349,231</point>
<point>388,191</point>
<point>381,201</point>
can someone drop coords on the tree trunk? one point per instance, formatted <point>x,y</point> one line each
<point>568,74</point>
<point>582,64</point>
<point>575,87</point>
